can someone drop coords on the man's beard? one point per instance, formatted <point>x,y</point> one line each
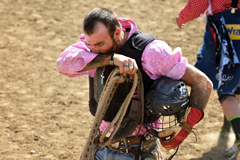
<point>114,48</point>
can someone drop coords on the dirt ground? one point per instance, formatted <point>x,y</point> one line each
<point>44,115</point>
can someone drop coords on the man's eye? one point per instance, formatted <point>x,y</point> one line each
<point>100,44</point>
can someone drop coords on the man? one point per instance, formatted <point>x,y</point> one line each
<point>108,41</point>
<point>219,56</point>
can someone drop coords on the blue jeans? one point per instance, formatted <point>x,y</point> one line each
<point>206,59</point>
<point>149,150</point>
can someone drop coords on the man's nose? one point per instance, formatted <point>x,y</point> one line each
<point>94,49</point>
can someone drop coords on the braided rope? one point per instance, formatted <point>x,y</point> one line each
<point>114,79</point>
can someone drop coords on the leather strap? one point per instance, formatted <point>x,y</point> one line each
<point>130,150</point>
<point>132,140</point>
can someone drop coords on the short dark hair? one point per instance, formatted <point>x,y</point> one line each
<point>103,15</point>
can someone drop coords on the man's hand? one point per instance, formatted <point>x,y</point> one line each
<point>126,65</point>
<point>179,24</point>
<point>173,137</point>
<point>191,117</point>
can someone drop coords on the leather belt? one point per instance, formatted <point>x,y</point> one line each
<point>130,150</point>
<point>131,140</point>
<point>134,139</point>
<point>127,142</point>
<point>117,146</point>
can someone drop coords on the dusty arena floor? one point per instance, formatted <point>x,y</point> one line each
<point>44,115</point>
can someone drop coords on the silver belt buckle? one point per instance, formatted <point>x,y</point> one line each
<point>115,145</point>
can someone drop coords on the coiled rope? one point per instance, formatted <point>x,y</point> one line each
<point>114,79</point>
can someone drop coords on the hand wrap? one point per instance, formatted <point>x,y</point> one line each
<point>173,137</point>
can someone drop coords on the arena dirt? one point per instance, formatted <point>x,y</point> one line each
<point>44,115</point>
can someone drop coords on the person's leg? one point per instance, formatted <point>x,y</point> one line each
<point>148,149</point>
<point>231,110</point>
<point>237,93</point>
<point>225,129</point>
<point>230,107</point>
<point>238,98</point>
<point>105,153</point>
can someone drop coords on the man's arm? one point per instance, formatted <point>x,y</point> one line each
<point>73,59</point>
<point>201,86</point>
<point>193,9</point>
<point>119,60</point>
<point>100,60</point>
<point>76,61</point>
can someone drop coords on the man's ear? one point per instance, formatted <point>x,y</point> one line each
<point>117,33</point>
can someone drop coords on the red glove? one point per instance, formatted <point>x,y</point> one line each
<point>178,134</point>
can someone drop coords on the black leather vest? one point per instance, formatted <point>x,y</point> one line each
<point>133,48</point>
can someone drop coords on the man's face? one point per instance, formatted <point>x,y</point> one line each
<point>100,41</point>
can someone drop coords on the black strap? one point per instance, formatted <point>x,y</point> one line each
<point>234,4</point>
<point>173,154</point>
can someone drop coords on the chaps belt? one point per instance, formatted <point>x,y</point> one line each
<point>132,140</point>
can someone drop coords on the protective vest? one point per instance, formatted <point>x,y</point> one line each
<point>133,48</point>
